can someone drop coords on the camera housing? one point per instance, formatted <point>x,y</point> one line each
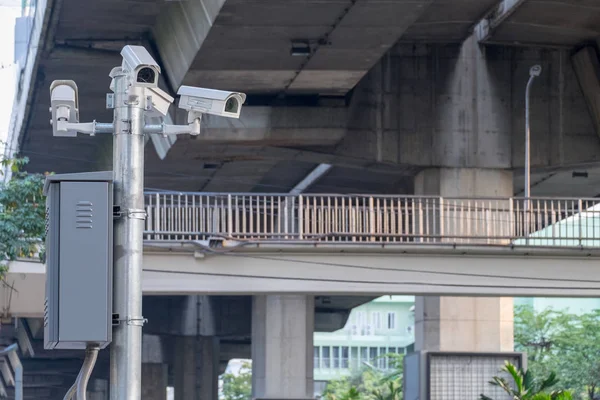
<point>140,66</point>
<point>161,101</point>
<point>210,101</point>
<point>64,101</point>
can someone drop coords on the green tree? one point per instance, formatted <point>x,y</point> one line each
<point>238,387</point>
<point>537,334</point>
<point>579,354</point>
<point>22,214</point>
<point>566,343</point>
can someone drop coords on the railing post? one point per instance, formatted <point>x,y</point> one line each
<point>372,218</point>
<point>511,218</point>
<point>301,217</point>
<point>580,205</point>
<point>441,219</point>
<point>229,216</point>
<point>156,226</point>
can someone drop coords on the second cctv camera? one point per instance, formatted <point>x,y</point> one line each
<point>211,101</point>
<point>140,65</point>
<point>64,106</point>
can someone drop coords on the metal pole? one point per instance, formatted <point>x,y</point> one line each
<point>19,382</point>
<point>534,72</point>
<point>128,167</point>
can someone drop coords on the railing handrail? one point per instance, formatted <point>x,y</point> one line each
<point>358,195</point>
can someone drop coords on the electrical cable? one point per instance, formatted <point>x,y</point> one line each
<point>230,253</point>
<point>91,355</point>
<point>391,283</point>
<point>78,390</point>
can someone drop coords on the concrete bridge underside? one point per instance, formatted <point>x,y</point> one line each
<point>381,80</point>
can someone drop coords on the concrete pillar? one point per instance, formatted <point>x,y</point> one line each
<point>472,147</point>
<point>282,347</point>
<point>154,381</point>
<point>461,323</point>
<point>196,368</point>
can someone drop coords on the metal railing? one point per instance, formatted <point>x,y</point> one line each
<point>380,219</point>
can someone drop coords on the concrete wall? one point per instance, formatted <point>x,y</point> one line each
<point>410,95</point>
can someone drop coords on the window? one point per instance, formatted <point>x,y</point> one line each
<point>354,358</point>
<point>336,357</point>
<point>382,361</point>
<point>317,357</point>
<point>345,358</point>
<point>372,354</point>
<point>367,330</point>
<point>360,318</point>
<point>326,354</point>
<point>376,320</point>
<point>354,330</point>
<point>392,350</point>
<point>364,354</point>
<point>391,320</point>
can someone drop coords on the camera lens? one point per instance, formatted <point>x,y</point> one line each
<point>146,75</point>
<point>231,106</point>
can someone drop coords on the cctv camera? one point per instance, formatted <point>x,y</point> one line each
<point>209,101</point>
<point>64,100</point>
<point>161,101</point>
<point>140,66</point>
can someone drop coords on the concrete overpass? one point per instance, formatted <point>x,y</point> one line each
<point>402,98</point>
<point>374,84</point>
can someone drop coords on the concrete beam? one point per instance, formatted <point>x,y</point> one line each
<point>401,270</point>
<point>587,69</point>
<point>180,32</point>
<point>485,29</point>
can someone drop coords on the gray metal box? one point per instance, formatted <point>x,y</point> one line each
<point>455,375</point>
<point>79,260</point>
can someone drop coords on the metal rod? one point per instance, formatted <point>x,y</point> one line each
<point>534,72</point>
<point>128,167</point>
<point>19,382</point>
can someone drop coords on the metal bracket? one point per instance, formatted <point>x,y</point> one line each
<point>127,126</point>
<point>136,321</point>
<point>131,213</point>
<point>110,100</point>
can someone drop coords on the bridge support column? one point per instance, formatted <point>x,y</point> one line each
<point>282,347</point>
<point>462,323</point>
<point>154,381</point>
<point>472,140</point>
<point>196,368</point>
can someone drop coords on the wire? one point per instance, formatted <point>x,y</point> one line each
<point>394,283</point>
<point>362,267</point>
<point>328,264</point>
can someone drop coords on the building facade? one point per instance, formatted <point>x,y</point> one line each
<point>383,326</point>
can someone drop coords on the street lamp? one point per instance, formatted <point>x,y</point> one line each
<point>534,72</point>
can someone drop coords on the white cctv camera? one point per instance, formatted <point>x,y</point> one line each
<point>64,100</point>
<point>209,101</point>
<point>161,101</point>
<point>140,66</point>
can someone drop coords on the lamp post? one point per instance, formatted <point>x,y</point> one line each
<point>534,72</point>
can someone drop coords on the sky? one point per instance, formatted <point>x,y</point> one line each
<point>9,11</point>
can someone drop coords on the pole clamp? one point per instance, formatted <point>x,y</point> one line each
<point>131,213</point>
<point>135,321</point>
